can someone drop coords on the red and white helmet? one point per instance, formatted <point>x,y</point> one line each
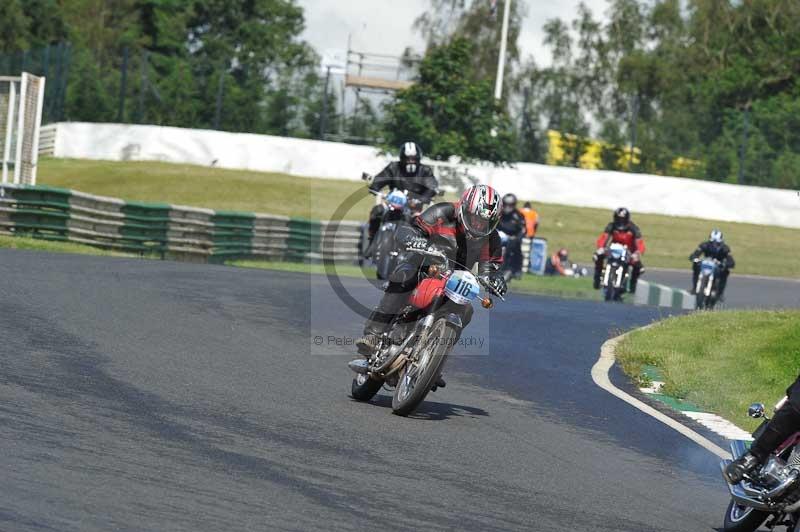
<point>479,210</point>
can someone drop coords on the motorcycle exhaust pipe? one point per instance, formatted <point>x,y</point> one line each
<point>749,496</point>
<point>738,494</point>
<point>359,365</point>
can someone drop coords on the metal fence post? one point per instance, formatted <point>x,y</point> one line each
<point>220,92</point>
<point>123,85</point>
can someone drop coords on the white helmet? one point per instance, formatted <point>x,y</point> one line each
<point>715,236</point>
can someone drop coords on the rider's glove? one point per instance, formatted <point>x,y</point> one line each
<point>599,253</point>
<point>498,284</point>
<point>416,243</point>
<point>635,257</point>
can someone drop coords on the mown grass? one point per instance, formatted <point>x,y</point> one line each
<point>529,284</point>
<point>758,249</point>
<point>19,242</point>
<point>721,361</point>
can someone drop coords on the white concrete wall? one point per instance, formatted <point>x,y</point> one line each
<point>548,184</point>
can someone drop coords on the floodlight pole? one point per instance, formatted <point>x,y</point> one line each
<point>501,62</point>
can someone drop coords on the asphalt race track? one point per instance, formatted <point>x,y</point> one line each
<point>742,292</point>
<point>147,395</point>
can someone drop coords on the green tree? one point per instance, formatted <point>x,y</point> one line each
<point>448,114</point>
<point>448,20</point>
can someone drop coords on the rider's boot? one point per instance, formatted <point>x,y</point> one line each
<point>440,383</point>
<point>379,320</point>
<point>744,465</point>
<point>785,423</point>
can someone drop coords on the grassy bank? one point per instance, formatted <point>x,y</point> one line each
<point>16,242</point>
<point>529,284</point>
<point>721,361</point>
<point>758,249</point>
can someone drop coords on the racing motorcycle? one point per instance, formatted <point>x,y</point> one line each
<point>385,251</point>
<point>770,496</point>
<point>413,350</point>
<point>707,287</point>
<point>398,210</point>
<point>614,280</point>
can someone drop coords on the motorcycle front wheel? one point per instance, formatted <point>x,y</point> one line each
<point>740,518</point>
<point>418,376</point>
<point>700,301</point>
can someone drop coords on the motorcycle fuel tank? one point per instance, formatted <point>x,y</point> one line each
<point>426,291</point>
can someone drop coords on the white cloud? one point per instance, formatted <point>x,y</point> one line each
<point>386,26</point>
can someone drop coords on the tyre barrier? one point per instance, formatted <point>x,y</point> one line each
<point>171,231</point>
<point>658,295</point>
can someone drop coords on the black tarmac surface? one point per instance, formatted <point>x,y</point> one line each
<point>145,395</point>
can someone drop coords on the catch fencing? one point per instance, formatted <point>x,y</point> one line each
<point>171,231</point>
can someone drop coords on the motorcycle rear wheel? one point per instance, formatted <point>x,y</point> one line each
<point>742,519</point>
<point>364,388</point>
<point>417,379</point>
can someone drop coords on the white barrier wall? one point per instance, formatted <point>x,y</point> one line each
<point>549,184</point>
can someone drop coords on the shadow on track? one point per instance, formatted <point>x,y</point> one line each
<point>432,411</point>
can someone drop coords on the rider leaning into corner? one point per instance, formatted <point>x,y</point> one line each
<point>466,232</point>
<point>623,231</point>
<point>714,248</point>
<point>783,424</point>
<point>406,174</point>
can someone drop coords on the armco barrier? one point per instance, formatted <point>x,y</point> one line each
<point>174,231</point>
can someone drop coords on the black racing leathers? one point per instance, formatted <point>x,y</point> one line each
<point>784,423</point>
<point>714,250</point>
<point>438,224</point>
<point>421,187</point>
<point>513,225</point>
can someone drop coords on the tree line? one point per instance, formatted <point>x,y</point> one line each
<point>702,88</point>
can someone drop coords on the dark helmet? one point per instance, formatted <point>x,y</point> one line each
<point>479,210</point>
<point>410,157</point>
<point>509,203</point>
<point>622,217</point>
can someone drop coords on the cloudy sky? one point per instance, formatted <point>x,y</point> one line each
<point>385,26</point>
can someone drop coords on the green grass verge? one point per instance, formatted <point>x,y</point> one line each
<point>529,284</point>
<point>758,249</point>
<point>20,242</point>
<point>721,361</point>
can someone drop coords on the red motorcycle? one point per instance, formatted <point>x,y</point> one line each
<point>413,350</point>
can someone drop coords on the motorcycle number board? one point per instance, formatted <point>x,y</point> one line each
<point>462,287</point>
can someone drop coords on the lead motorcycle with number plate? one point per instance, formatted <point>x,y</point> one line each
<point>770,496</point>
<point>413,350</point>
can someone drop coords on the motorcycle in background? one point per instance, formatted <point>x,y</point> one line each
<point>413,350</point>
<point>707,288</point>
<point>614,280</point>
<point>398,210</point>
<point>770,496</point>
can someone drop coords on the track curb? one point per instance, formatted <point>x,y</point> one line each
<point>601,377</point>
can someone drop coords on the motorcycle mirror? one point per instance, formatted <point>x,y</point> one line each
<point>365,176</point>
<point>756,410</point>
